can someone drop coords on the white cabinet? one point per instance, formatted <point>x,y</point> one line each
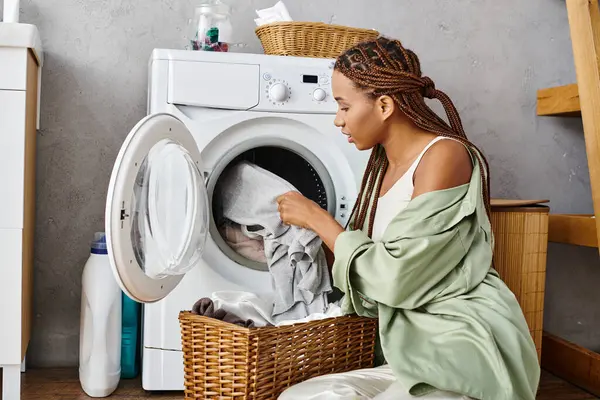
<point>19,82</point>
<point>12,78</point>
<point>12,151</point>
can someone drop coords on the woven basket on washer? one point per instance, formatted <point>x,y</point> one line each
<point>227,361</point>
<point>521,247</point>
<point>310,39</point>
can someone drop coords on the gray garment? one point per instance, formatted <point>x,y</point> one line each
<point>206,307</point>
<point>294,255</point>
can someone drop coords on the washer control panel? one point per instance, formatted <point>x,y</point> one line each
<point>300,90</point>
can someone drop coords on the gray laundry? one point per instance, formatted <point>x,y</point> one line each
<point>294,255</point>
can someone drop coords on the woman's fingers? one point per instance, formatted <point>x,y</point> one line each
<point>286,196</point>
<point>281,198</point>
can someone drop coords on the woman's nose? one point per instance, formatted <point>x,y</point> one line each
<point>338,122</point>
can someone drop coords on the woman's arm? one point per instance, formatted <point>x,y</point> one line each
<point>326,227</point>
<point>297,210</point>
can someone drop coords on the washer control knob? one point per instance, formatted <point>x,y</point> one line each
<point>319,94</point>
<point>279,92</point>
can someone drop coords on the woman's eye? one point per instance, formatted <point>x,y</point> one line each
<point>344,109</point>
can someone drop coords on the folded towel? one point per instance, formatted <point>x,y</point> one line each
<point>206,307</point>
<point>301,280</point>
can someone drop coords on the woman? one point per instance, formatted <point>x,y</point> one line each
<point>418,255</point>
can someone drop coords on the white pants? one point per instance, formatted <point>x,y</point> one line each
<point>365,384</point>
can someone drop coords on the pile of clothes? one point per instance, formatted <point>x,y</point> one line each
<point>250,311</point>
<point>243,241</point>
<point>246,196</point>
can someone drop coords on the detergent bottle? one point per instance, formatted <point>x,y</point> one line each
<point>100,325</point>
<point>129,338</point>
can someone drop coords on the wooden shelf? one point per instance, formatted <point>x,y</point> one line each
<point>571,362</point>
<point>559,101</point>
<point>578,230</point>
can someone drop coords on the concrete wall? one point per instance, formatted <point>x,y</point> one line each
<point>490,56</point>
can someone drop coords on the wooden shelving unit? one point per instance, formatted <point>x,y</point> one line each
<point>560,101</point>
<point>571,362</point>
<point>579,230</point>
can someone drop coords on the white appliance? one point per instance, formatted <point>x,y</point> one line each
<point>205,111</point>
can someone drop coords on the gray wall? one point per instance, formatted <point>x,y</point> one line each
<point>490,56</point>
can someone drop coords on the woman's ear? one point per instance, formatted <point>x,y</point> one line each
<point>385,107</point>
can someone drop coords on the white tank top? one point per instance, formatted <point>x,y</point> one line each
<point>397,197</point>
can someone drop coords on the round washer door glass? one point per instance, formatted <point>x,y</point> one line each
<point>157,212</point>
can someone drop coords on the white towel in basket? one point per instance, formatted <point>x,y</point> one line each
<point>249,306</point>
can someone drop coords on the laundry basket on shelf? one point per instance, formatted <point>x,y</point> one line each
<point>310,39</point>
<point>521,246</point>
<point>227,361</point>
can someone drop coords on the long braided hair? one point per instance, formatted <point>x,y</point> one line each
<point>384,67</point>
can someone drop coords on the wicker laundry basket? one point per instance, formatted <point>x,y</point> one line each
<point>225,361</point>
<point>310,39</point>
<point>521,247</point>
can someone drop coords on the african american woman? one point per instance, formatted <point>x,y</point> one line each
<point>417,254</point>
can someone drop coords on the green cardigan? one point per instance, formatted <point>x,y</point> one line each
<point>446,319</point>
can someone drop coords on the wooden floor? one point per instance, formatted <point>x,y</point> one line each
<point>63,384</point>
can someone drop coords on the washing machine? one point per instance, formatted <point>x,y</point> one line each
<point>207,111</point>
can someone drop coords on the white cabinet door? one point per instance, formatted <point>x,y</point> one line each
<point>10,296</point>
<point>12,156</point>
<point>13,68</point>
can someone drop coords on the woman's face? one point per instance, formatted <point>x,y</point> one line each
<point>359,115</point>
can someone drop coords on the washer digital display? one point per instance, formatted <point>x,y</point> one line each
<point>310,79</point>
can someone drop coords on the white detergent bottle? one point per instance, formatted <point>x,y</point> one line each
<point>100,325</point>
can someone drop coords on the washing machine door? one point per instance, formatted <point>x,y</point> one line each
<point>157,210</point>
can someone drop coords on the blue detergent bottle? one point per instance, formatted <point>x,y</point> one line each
<point>129,338</point>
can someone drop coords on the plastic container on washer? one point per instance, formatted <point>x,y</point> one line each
<point>211,29</point>
<point>100,325</point>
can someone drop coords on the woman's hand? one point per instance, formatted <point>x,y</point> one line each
<point>295,209</point>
